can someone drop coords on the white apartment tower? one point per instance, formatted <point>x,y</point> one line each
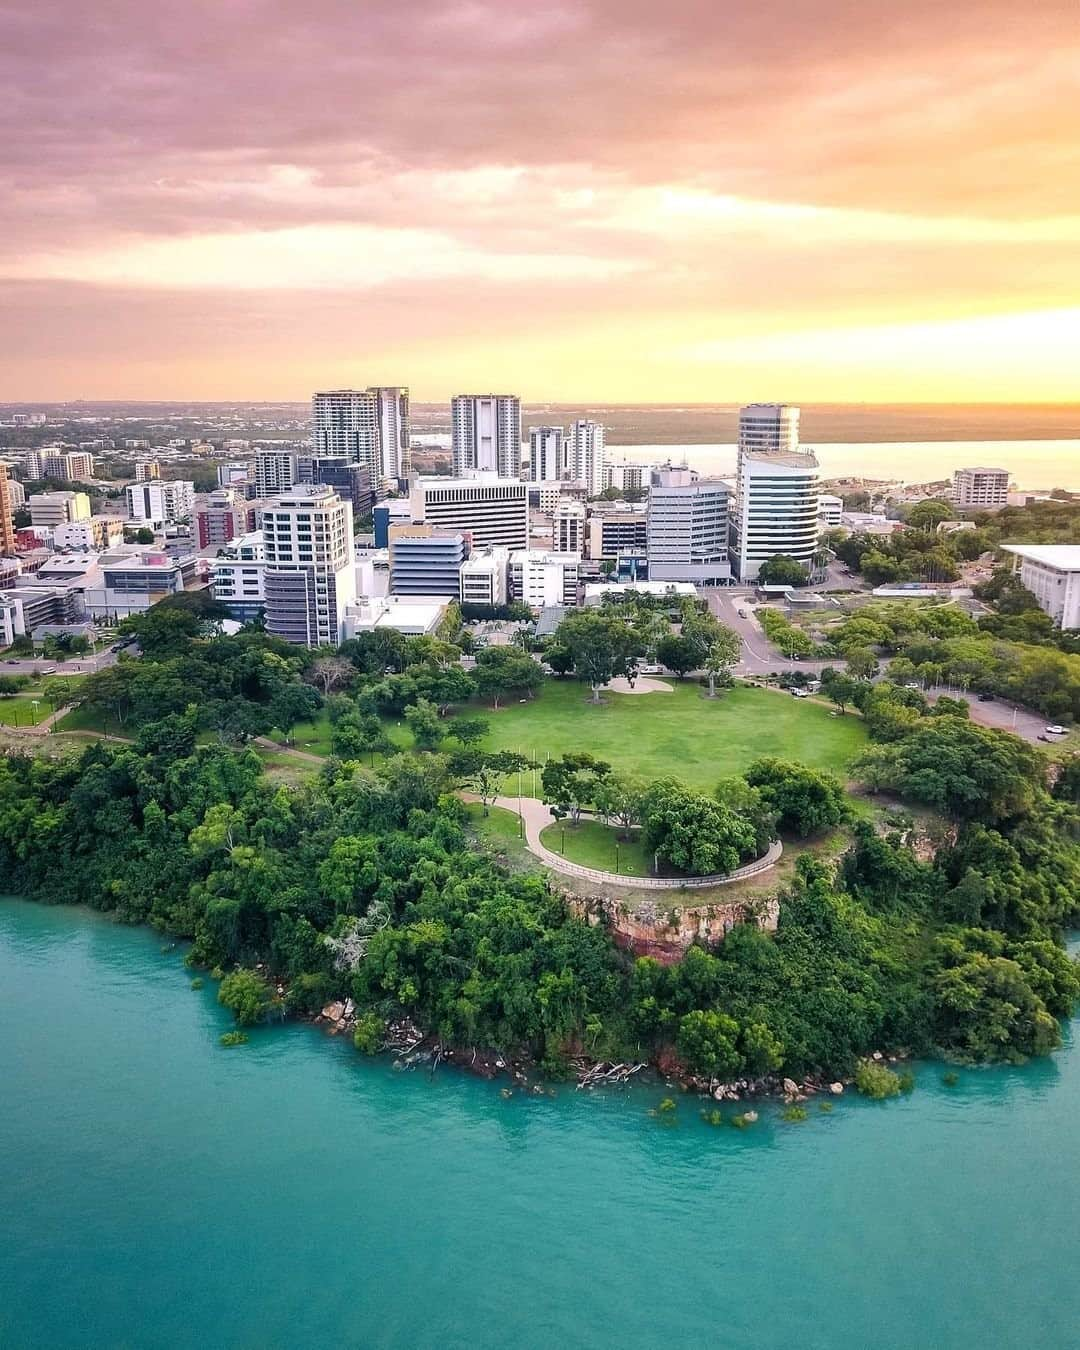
<point>485,435</point>
<point>776,495</point>
<point>368,426</point>
<point>568,527</point>
<point>275,472</point>
<point>980,489</point>
<point>586,455</point>
<point>547,454</point>
<point>309,576</point>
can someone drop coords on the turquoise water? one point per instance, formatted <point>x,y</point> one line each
<point>157,1190</point>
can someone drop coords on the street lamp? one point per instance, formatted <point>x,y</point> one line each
<point>34,704</point>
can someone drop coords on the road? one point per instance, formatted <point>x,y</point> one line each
<point>37,665</point>
<point>758,655</point>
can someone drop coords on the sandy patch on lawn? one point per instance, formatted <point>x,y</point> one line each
<point>644,684</point>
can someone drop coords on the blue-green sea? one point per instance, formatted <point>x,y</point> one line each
<point>158,1190</point>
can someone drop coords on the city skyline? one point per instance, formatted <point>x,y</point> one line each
<point>601,201</point>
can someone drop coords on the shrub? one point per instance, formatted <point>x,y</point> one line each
<point>368,1034</point>
<point>876,1081</point>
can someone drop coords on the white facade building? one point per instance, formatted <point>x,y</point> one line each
<point>493,510</point>
<point>485,435</point>
<point>687,531</point>
<point>980,489</point>
<point>310,575</point>
<point>160,502</point>
<point>547,454</point>
<point>568,527</point>
<point>776,506</point>
<point>585,454</point>
<point>92,533</point>
<point>830,509</point>
<point>275,472</point>
<point>236,575</point>
<point>484,577</point>
<point>410,615</point>
<point>69,466</point>
<point>1052,573</point>
<point>541,579</point>
<point>625,476</point>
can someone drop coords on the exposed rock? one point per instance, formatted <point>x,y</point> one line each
<point>333,1012</point>
<point>790,1087</point>
<point>836,1089</point>
<point>750,1117</point>
<point>877,1056</point>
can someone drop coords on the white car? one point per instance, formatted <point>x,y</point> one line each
<point>1055,730</point>
<point>799,693</point>
<point>650,670</point>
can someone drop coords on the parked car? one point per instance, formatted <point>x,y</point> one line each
<point>1055,730</point>
<point>742,613</point>
<point>911,684</point>
<point>650,670</point>
<point>986,698</point>
<point>800,693</point>
<point>47,670</point>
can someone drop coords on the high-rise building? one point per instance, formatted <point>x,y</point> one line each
<point>310,576</point>
<point>625,476</point>
<point>368,426</point>
<point>568,527</point>
<point>585,455</point>
<point>687,531</point>
<point>146,469</point>
<point>275,472</point>
<point>493,510</point>
<point>547,454</point>
<point>236,576</point>
<point>616,529</point>
<point>7,522</point>
<point>980,489</point>
<point>67,466</point>
<point>233,473</point>
<point>485,435</point>
<point>776,495</point>
<point>348,478</point>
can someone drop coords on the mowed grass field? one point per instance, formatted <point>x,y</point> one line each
<point>678,735</point>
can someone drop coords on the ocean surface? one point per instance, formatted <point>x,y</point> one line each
<point>1036,464</point>
<point>157,1190</point>
<point>1031,464</point>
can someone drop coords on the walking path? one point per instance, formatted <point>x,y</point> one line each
<point>538,815</point>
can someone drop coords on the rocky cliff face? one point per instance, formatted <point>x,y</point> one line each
<point>664,932</point>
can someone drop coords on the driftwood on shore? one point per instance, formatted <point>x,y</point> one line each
<point>592,1075</point>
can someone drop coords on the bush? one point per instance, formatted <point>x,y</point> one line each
<point>876,1081</point>
<point>246,995</point>
<point>233,1038</point>
<point>369,1032</point>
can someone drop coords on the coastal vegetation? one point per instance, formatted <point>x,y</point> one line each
<point>367,881</point>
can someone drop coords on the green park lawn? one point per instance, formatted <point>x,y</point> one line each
<point>591,843</point>
<point>20,712</point>
<point>678,735</point>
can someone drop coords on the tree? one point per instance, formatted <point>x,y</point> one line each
<point>501,671</point>
<point>292,703</point>
<point>677,653</point>
<point>163,631</point>
<point>485,772</point>
<point>246,994</point>
<point>427,729</point>
<point>143,535</point>
<point>694,833</point>
<point>927,515</point>
<point>862,664</point>
<point>329,673</point>
<point>707,1043</point>
<point>358,734</point>
<point>110,692</point>
<point>805,800</point>
<point>601,646</point>
<point>839,688</point>
<point>720,657</point>
<point>570,783</point>
<point>781,570</point>
<point>468,730</point>
<point>618,798</point>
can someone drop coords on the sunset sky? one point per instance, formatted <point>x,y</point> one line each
<point>839,200</point>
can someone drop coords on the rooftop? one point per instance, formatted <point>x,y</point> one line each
<point>1065,557</point>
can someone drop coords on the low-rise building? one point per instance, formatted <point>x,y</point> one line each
<point>236,576</point>
<point>595,591</point>
<point>134,580</point>
<point>484,578</point>
<point>1052,573</point>
<point>542,579</point>
<point>94,533</point>
<point>426,561</point>
<point>613,528</point>
<point>980,489</point>
<point>49,509</point>
<point>411,615</point>
<point>830,510</point>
